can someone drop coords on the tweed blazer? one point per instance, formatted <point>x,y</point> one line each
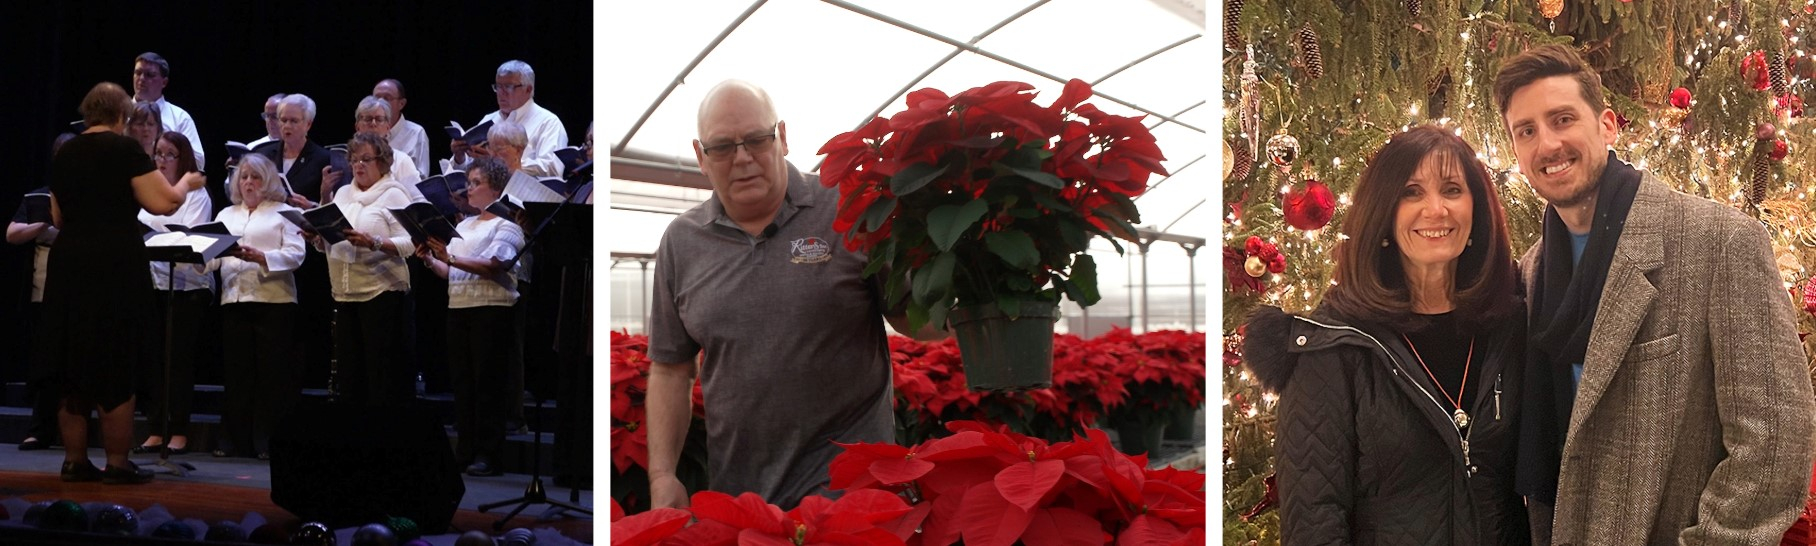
<point>1693,421</point>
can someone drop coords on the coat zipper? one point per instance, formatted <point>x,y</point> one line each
<point>1462,435</point>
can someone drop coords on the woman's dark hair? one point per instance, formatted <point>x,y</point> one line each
<point>381,149</point>
<point>496,173</point>
<point>105,104</point>
<point>185,154</point>
<point>1371,283</point>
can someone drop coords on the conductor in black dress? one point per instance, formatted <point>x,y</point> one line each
<point>97,283</point>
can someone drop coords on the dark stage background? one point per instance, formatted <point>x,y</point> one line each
<point>226,57</point>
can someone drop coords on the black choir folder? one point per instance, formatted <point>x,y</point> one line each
<point>211,228</point>
<point>424,222</point>
<point>236,149</point>
<point>475,136</point>
<point>37,207</point>
<point>448,192</point>
<point>325,221</point>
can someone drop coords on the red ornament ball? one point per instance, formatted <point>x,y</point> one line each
<point>1311,208</point>
<point>1790,105</point>
<point>1779,150</point>
<point>1680,98</point>
<point>1753,67</point>
<point>1809,296</point>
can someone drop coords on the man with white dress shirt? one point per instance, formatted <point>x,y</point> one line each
<point>270,117</point>
<point>515,87</point>
<point>406,135</point>
<point>374,116</point>
<point>150,73</point>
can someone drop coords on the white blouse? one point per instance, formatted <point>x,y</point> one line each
<point>195,210</point>
<point>499,239</point>
<point>360,274</point>
<point>281,241</point>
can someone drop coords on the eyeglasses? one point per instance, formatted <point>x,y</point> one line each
<point>753,144</point>
<point>507,88</point>
<point>359,160</point>
<point>374,120</point>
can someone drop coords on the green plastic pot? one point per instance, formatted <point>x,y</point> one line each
<point>1002,353</point>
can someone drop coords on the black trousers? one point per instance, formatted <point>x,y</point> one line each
<point>372,343</point>
<point>483,343</point>
<point>315,311</point>
<point>167,404</point>
<point>431,294</point>
<point>40,381</point>
<point>263,373</point>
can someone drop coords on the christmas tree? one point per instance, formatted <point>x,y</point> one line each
<point>1710,96</point>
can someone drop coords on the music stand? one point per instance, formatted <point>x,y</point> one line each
<point>563,231</point>
<point>171,256</point>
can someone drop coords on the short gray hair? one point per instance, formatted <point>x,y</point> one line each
<point>300,100</point>
<point>519,68</point>
<point>509,133</point>
<point>257,164</point>
<point>372,103</point>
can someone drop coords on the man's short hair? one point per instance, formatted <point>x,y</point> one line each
<point>494,169</point>
<point>399,85</point>
<point>105,104</point>
<point>301,101</point>
<point>153,58</point>
<point>275,97</point>
<point>372,103</point>
<point>1543,62</point>
<point>520,68</point>
<point>509,133</point>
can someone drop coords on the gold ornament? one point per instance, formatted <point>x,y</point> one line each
<point>1254,267</point>
<point>1551,8</point>
<point>1229,160</point>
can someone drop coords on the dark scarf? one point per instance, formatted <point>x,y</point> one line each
<point>1563,312</point>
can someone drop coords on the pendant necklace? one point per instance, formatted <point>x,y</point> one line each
<point>1460,417</point>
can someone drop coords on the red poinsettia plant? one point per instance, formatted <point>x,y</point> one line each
<point>993,487</point>
<point>630,440</point>
<point>930,391</point>
<point>985,197</point>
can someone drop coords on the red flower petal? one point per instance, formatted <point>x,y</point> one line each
<point>1149,530</point>
<point>1023,484</point>
<point>747,511</point>
<point>754,537</point>
<point>1063,527</point>
<point>987,519</point>
<point>649,527</point>
<point>705,533</point>
<point>897,471</point>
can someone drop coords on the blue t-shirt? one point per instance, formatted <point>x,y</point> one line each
<point>1577,244</point>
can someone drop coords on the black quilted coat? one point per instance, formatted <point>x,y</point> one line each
<point>1366,452</point>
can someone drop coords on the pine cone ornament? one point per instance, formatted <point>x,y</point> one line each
<point>1308,45</point>
<point>1414,7</point>
<point>1775,71</point>
<point>1762,174</point>
<point>1232,21</point>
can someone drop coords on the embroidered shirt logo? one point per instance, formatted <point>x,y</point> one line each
<point>809,250</point>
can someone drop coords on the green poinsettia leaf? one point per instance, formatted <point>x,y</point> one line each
<point>879,257</point>
<point>933,282</point>
<point>1084,278</point>
<point>936,314</point>
<point>914,177</point>
<point>1010,304</point>
<point>1073,235</point>
<point>947,222</point>
<point>1022,158</point>
<point>1013,247</point>
<point>1050,202</point>
<point>1039,177</point>
<point>878,213</point>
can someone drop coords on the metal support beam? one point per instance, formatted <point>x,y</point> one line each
<point>992,56</point>
<point>682,77</point>
<point>1191,282</point>
<point>936,66</point>
<point>1144,284</point>
<point>1144,58</point>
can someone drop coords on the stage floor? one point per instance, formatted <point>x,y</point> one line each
<point>230,488</point>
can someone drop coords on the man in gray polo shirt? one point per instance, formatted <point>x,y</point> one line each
<point>795,353</point>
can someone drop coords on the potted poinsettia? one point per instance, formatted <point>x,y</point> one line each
<point>979,207</point>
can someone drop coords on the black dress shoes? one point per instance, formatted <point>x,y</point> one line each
<point>483,468</point>
<point>125,475</point>
<point>80,471</point>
